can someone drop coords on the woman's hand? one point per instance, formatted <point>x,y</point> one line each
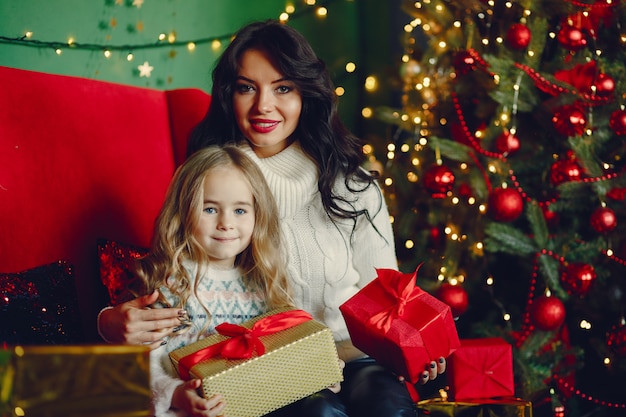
<point>132,323</point>
<point>433,369</point>
<point>186,398</point>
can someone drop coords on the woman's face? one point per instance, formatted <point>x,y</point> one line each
<point>267,106</point>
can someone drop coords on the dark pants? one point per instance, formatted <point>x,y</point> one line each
<point>368,390</point>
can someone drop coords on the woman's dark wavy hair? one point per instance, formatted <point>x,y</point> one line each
<point>320,132</point>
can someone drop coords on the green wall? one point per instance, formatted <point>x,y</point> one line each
<point>352,31</point>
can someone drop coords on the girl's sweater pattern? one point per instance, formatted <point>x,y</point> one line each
<point>228,299</point>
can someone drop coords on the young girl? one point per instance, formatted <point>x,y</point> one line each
<point>274,99</point>
<point>216,255</point>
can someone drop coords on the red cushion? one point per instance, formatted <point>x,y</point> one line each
<point>117,265</point>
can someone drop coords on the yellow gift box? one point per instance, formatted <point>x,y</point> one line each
<point>483,407</point>
<point>75,381</point>
<point>286,362</point>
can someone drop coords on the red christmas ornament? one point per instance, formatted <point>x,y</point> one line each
<point>455,296</point>
<point>439,179</point>
<point>436,237</point>
<point>464,62</point>
<point>465,190</point>
<point>551,217</point>
<point>578,277</point>
<point>547,313</point>
<point>507,143</point>
<point>564,171</point>
<point>616,340</point>
<point>505,204</point>
<point>518,36</point>
<point>572,38</point>
<point>605,85</point>
<point>617,122</point>
<point>603,220</point>
<point>569,120</point>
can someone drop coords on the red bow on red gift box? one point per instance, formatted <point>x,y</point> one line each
<point>402,288</point>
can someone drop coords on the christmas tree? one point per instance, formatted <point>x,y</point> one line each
<point>505,175</point>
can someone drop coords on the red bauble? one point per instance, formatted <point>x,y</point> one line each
<point>436,237</point>
<point>617,122</point>
<point>518,36</point>
<point>564,171</point>
<point>505,204</point>
<point>578,277</point>
<point>572,38</point>
<point>507,143</point>
<point>603,220</point>
<point>439,179</point>
<point>547,313</point>
<point>569,120</point>
<point>550,216</point>
<point>464,62</point>
<point>465,190</point>
<point>616,340</point>
<point>605,85</point>
<point>455,296</point>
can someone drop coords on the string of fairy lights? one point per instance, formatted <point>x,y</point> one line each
<point>319,9</point>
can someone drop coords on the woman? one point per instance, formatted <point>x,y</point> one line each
<point>273,97</point>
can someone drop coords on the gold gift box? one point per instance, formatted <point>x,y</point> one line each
<point>73,381</point>
<point>297,362</point>
<point>483,407</point>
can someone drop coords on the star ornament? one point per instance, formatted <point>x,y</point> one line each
<point>137,3</point>
<point>145,69</point>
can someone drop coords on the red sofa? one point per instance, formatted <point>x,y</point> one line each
<point>82,160</point>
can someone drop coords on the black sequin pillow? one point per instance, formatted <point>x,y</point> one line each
<point>39,306</point>
<point>116,260</point>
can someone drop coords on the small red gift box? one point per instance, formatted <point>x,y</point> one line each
<point>400,325</point>
<point>481,368</point>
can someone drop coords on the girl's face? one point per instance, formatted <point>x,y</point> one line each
<point>267,106</point>
<point>228,217</point>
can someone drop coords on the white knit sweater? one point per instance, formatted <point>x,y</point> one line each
<point>327,263</point>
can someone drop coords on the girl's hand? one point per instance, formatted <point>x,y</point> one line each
<point>337,386</point>
<point>187,399</point>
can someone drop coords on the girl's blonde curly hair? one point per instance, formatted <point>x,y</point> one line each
<point>262,263</point>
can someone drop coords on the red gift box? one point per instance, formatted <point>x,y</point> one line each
<point>481,368</point>
<point>400,325</point>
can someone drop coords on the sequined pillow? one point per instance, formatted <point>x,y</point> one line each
<point>39,306</point>
<point>116,261</point>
